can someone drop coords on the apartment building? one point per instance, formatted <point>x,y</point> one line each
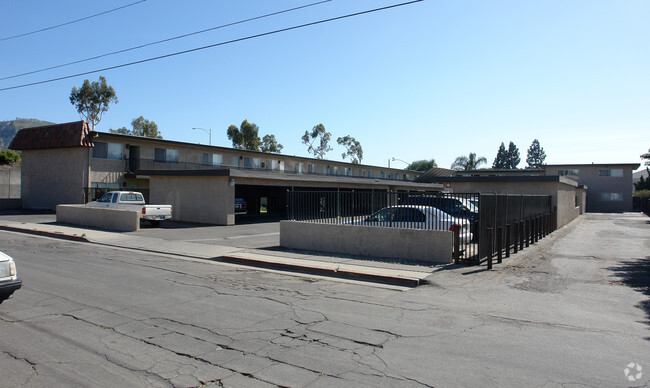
<point>609,186</point>
<point>69,163</point>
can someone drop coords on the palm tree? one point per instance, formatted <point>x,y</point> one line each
<point>468,163</point>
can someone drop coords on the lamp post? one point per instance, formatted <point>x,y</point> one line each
<point>208,131</point>
<point>399,160</point>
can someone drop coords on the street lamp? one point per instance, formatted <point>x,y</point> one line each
<point>399,160</point>
<point>208,131</point>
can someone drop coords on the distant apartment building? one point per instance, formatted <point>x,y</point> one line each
<point>609,186</point>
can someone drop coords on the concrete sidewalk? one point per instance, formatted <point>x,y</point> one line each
<point>376,271</point>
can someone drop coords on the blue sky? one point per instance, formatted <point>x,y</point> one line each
<point>435,79</point>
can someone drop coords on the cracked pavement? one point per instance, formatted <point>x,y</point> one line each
<point>565,312</point>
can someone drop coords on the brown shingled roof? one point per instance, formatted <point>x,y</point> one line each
<point>75,134</point>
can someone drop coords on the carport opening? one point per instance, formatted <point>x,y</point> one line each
<point>264,206</point>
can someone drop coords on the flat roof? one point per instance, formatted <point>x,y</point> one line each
<point>634,166</point>
<point>507,178</point>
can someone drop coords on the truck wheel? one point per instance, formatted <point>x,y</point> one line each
<point>154,223</point>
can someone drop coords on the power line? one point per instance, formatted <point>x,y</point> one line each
<point>71,22</point>
<point>165,40</point>
<point>216,44</point>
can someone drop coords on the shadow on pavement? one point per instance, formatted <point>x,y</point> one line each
<point>324,255</point>
<point>636,274</point>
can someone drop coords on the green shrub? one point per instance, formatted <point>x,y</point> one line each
<point>642,193</point>
<point>9,157</point>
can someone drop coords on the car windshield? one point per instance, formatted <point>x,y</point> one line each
<point>106,198</point>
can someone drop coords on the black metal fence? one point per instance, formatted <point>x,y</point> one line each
<point>484,226</point>
<point>453,212</point>
<point>511,222</point>
<point>641,204</point>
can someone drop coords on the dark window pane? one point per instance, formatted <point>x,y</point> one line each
<point>160,155</point>
<point>100,150</point>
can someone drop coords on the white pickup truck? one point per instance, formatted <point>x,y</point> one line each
<point>132,200</point>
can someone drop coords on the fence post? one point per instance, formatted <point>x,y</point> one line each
<point>516,246</point>
<point>490,232</point>
<point>456,246</point>
<point>532,230</point>
<point>527,233</point>
<point>508,240</point>
<point>499,244</point>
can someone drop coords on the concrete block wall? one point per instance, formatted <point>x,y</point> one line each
<point>111,219</point>
<point>371,241</point>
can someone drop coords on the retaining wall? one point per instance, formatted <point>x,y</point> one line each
<point>408,244</point>
<point>112,219</point>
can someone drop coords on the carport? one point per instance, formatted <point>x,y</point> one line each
<point>208,196</point>
<point>269,189</point>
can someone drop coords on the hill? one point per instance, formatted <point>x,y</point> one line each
<point>8,129</point>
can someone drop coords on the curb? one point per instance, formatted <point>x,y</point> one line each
<point>344,274</point>
<point>313,270</point>
<point>44,233</point>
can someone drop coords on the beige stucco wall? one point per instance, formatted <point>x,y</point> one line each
<point>395,243</point>
<point>209,200</point>
<point>53,176</point>
<point>106,170</point>
<point>563,194</point>
<point>10,177</point>
<point>589,175</point>
<point>121,220</point>
<point>581,195</point>
<point>567,210</point>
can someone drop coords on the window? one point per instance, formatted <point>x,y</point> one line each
<point>131,197</point>
<point>252,163</point>
<point>277,165</point>
<point>212,159</point>
<point>383,215</point>
<point>162,155</point>
<point>382,175</point>
<point>111,151</point>
<point>335,170</point>
<point>172,156</point>
<point>299,168</point>
<point>615,172</point>
<point>235,160</point>
<point>410,215</point>
<point>611,197</point>
<point>573,172</point>
<point>326,170</point>
<point>371,174</point>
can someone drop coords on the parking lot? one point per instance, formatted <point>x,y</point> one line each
<point>248,233</point>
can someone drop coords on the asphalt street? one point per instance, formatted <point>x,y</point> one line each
<point>573,310</point>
